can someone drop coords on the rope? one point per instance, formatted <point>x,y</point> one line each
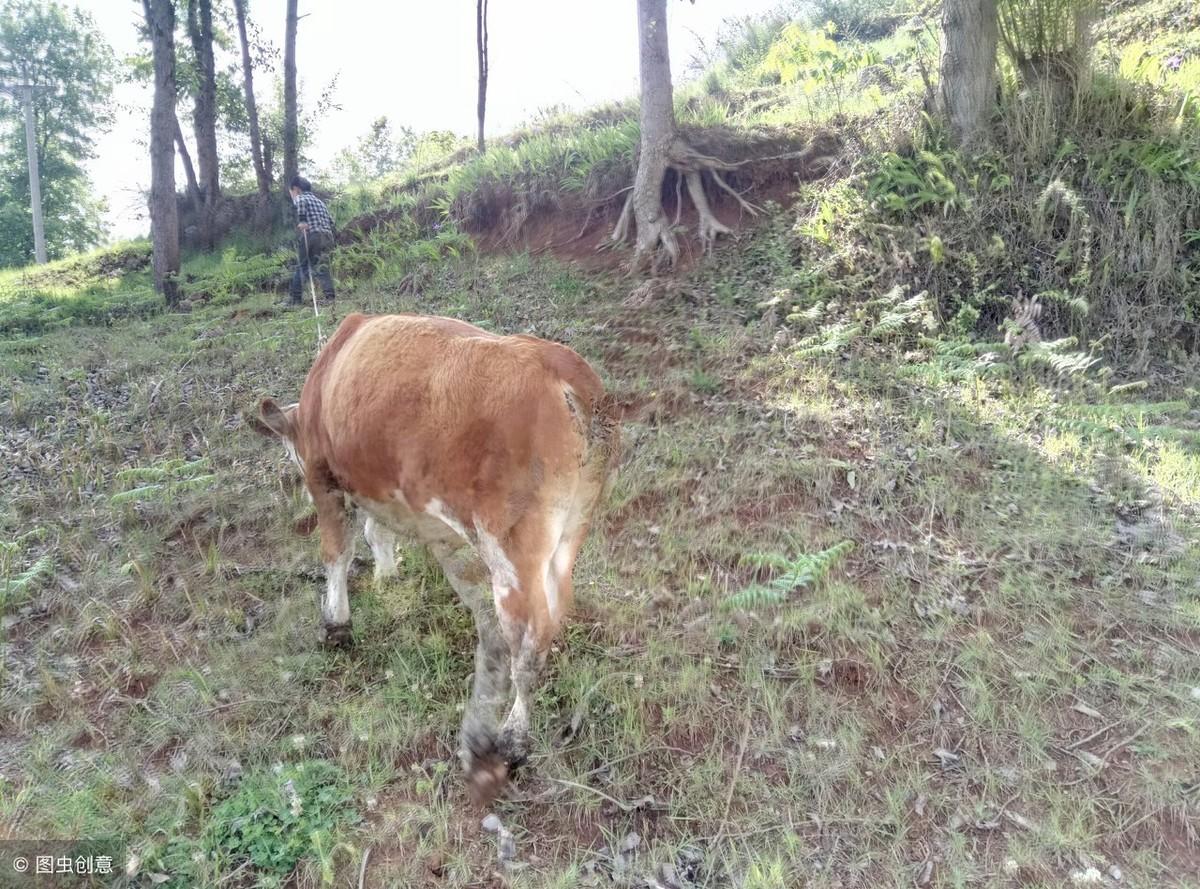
<point>313,289</point>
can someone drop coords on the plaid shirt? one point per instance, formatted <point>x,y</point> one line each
<point>311,209</point>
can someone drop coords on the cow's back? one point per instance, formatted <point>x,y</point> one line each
<point>410,408</point>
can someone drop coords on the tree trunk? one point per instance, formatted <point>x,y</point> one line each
<point>968,67</point>
<point>658,133</point>
<point>481,46</point>
<point>291,152</point>
<point>164,211</point>
<point>188,170</point>
<point>261,173</point>
<point>661,149</point>
<point>204,118</point>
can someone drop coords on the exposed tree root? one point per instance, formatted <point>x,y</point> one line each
<point>660,243</point>
<point>709,226</point>
<point>745,205</point>
<point>621,231</point>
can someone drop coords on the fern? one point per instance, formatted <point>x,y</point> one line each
<point>807,569</point>
<point>1054,356</point>
<point>829,341</point>
<point>15,584</point>
<point>904,315</point>
<point>1076,304</point>
<point>164,480</point>
<point>27,577</point>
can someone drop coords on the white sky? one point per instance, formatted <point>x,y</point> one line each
<point>415,62</point>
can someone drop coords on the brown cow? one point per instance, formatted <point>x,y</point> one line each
<point>492,450</point>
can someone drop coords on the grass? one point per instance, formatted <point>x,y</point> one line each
<point>874,599</point>
<point>1023,560</point>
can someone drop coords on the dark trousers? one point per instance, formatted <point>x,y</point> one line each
<point>313,260</point>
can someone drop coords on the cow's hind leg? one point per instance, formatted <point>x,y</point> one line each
<point>337,552</point>
<point>490,688</point>
<point>530,611</point>
<point>383,549</point>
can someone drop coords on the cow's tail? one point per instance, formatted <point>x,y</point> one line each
<point>598,422</point>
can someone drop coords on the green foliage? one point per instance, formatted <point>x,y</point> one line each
<point>93,288</point>
<point>378,153</point>
<point>903,316</point>
<point>233,274</point>
<point>912,185</point>
<point>1058,356</point>
<point>163,481</point>
<point>588,160</point>
<point>805,570</point>
<point>394,250</point>
<point>862,19</point>
<point>815,61</point>
<point>272,820</point>
<point>1049,37</point>
<point>14,581</point>
<point>61,51</point>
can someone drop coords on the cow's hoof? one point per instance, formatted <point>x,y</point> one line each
<point>334,635</point>
<point>487,777</point>
<point>515,753</point>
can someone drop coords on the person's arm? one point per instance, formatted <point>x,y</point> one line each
<point>303,210</point>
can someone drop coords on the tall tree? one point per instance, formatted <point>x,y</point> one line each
<point>261,173</point>
<point>164,209</point>
<point>481,49</point>
<point>291,127</point>
<point>663,149</point>
<point>204,116</point>
<point>189,171</point>
<point>658,129</point>
<point>61,52</point>
<point>968,66</point>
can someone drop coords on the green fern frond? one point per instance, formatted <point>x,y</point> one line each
<point>26,578</point>
<point>830,341</point>
<point>806,569</point>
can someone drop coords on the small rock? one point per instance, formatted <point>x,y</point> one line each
<point>1116,873</point>
<point>946,757</point>
<point>492,824</point>
<point>631,842</point>
<point>1089,877</point>
<point>508,847</point>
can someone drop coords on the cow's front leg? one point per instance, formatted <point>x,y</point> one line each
<point>383,549</point>
<point>489,690</point>
<point>490,687</point>
<point>337,552</point>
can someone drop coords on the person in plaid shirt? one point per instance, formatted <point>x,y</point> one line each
<point>315,241</point>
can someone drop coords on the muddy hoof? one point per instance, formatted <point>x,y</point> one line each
<point>487,776</point>
<point>334,635</point>
<point>515,753</point>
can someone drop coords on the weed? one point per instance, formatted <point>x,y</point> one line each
<point>791,574</point>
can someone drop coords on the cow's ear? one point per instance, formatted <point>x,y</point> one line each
<point>275,419</point>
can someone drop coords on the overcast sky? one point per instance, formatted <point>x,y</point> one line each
<point>415,62</point>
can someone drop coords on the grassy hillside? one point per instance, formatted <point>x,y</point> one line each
<point>895,585</point>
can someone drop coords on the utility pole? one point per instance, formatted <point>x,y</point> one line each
<point>24,92</point>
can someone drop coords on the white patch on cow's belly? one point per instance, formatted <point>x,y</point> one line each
<point>437,509</point>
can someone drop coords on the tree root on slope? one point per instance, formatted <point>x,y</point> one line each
<point>660,241</point>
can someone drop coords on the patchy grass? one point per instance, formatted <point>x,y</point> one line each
<point>994,685</point>
<point>873,601</point>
